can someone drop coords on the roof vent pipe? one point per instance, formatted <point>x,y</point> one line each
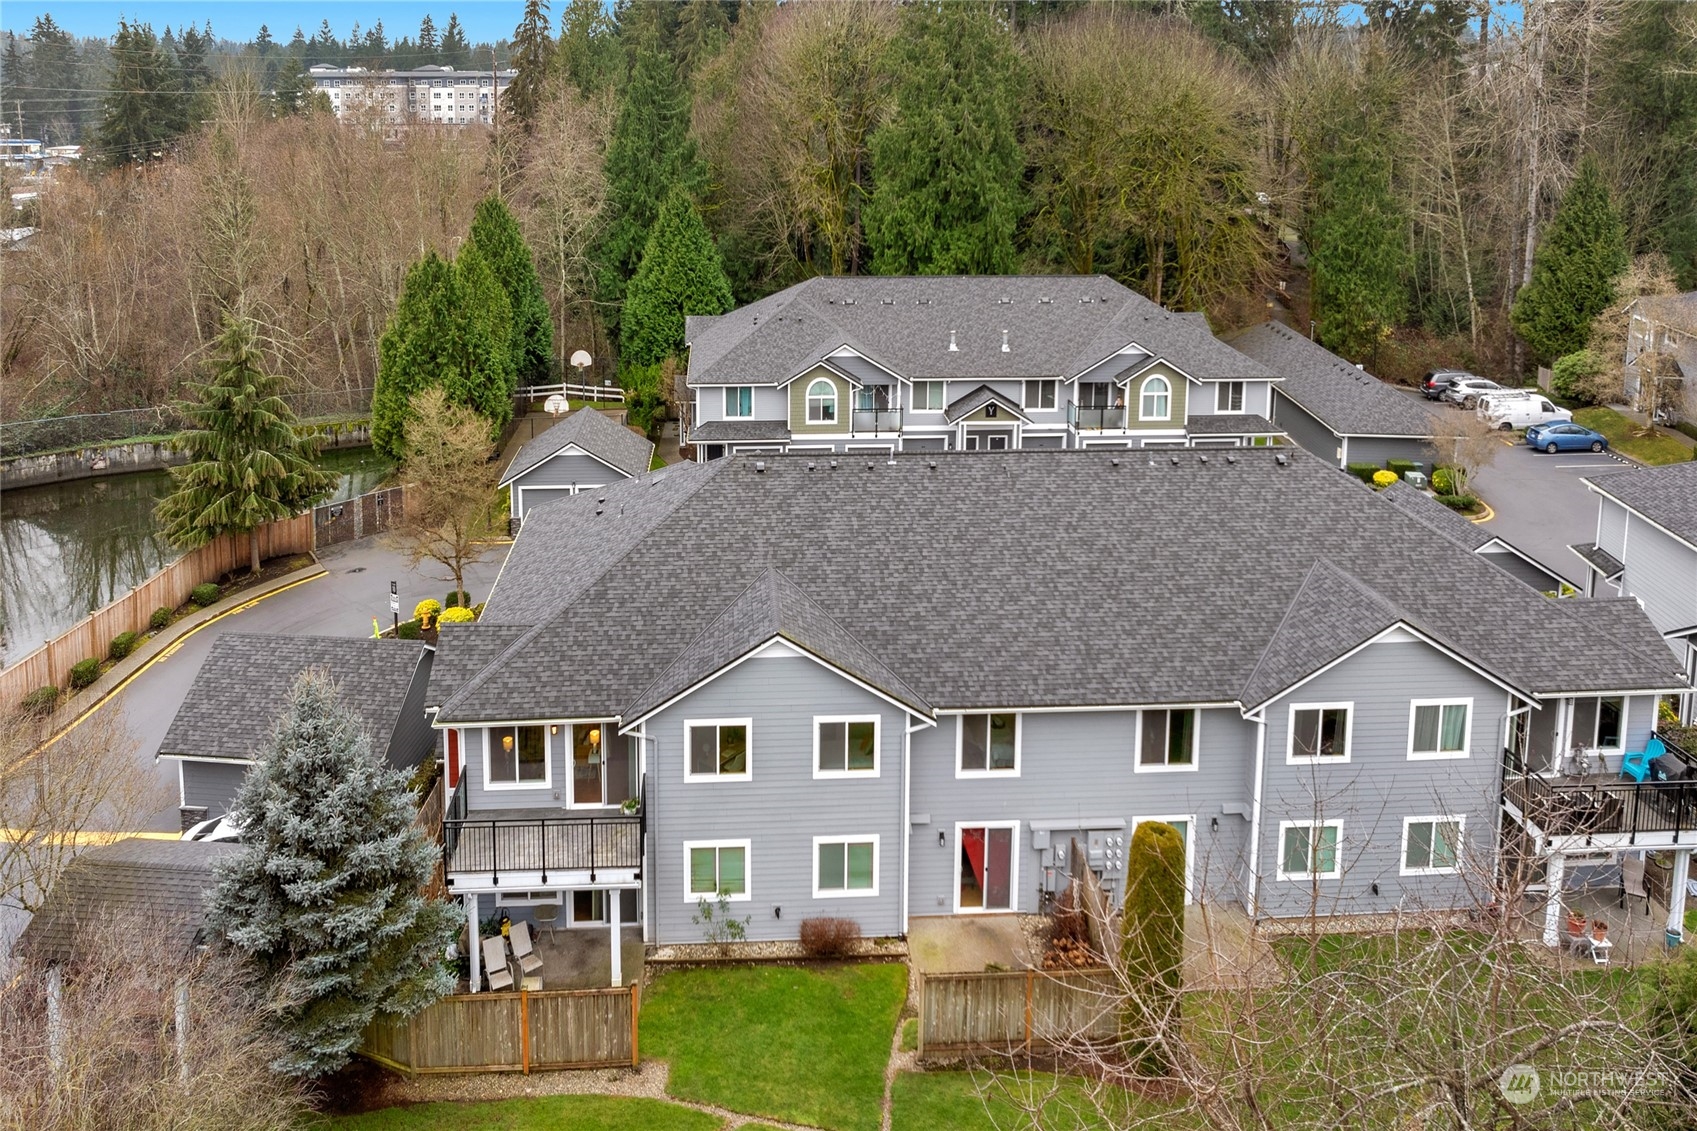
<point>952,347</point>
<point>759,467</point>
<point>1004,341</point>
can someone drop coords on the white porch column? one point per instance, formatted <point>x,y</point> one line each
<point>1554,872</point>
<point>1676,893</point>
<point>615,907</point>
<point>476,943</point>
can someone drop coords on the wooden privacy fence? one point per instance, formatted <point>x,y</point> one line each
<point>511,1032</point>
<point>1030,1009</point>
<point>170,587</point>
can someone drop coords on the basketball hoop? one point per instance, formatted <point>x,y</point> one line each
<point>556,404</point>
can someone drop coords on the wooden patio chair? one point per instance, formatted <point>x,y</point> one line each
<point>496,969</point>
<point>524,950</point>
<point>1632,880</point>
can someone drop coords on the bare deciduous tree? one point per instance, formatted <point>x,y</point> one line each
<point>450,492</point>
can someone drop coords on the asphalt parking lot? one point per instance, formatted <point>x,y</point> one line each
<point>1542,504</point>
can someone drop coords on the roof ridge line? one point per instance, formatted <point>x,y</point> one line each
<point>724,611</point>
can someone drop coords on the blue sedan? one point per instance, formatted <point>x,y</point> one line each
<point>1565,436</point>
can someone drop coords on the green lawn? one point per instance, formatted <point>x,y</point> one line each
<point>656,463</point>
<point>1658,449</point>
<point>588,1113</point>
<point>968,1101</point>
<point>801,1045</point>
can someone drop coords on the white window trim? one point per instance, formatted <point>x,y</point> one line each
<point>1026,391</point>
<point>1013,868</point>
<point>726,403</point>
<point>530,898</point>
<point>1189,846</point>
<point>1137,766</point>
<point>490,738</point>
<point>877,746</point>
<point>692,898</point>
<point>1460,845</point>
<point>1286,826</point>
<point>845,893</point>
<point>1597,719</point>
<point>746,775</point>
<point>960,746</point>
<point>807,401</point>
<point>1292,758</point>
<point>1466,750</point>
<point>1143,392</point>
<point>942,399</point>
<point>1224,389</point>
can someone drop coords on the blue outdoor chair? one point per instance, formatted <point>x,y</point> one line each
<point>1636,764</point>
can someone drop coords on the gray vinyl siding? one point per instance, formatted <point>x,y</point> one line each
<point>212,784</point>
<point>1306,429</point>
<point>1257,396</point>
<point>1077,767</point>
<point>770,403</point>
<point>1380,785</point>
<point>474,752</point>
<point>1373,449</point>
<point>569,469</point>
<point>1611,528</point>
<point>413,740</point>
<point>781,808</point>
<point>1661,571</point>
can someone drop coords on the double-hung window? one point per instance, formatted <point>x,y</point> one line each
<point>1308,850</point>
<point>1166,739</point>
<point>845,866</point>
<point>1228,396</point>
<point>739,402</point>
<point>1438,728</point>
<point>1431,846</point>
<point>517,756</point>
<point>928,396</point>
<point>1040,394</point>
<point>989,744</point>
<point>821,402</point>
<point>1319,732</point>
<point>845,746</point>
<point>717,750</point>
<point>716,868</point>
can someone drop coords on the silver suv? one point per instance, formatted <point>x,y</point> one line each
<point>1467,391</point>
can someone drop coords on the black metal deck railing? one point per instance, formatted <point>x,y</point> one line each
<point>1601,805</point>
<point>543,845</point>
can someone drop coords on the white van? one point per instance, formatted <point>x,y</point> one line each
<point>1511,412</point>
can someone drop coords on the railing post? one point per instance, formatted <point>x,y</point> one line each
<point>542,846</point>
<point>494,854</point>
<point>592,850</point>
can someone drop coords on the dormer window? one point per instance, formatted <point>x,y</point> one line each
<point>1157,399</point>
<point>821,402</point>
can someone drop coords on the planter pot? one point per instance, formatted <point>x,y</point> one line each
<point>1599,930</point>
<point>1675,939</point>
<point>1576,924</point>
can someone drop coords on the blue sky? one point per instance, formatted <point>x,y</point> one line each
<point>483,20</point>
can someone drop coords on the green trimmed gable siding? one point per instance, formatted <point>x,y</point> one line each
<point>798,404</point>
<point>1178,389</point>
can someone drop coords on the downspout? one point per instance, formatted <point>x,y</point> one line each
<point>907,815</point>
<point>1254,901</point>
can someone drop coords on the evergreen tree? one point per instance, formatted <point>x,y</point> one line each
<point>703,31</point>
<point>325,896</point>
<point>263,42</point>
<point>533,51</point>
<point>14,84</point>
<point>325,47</point>
<point>1573,270</point>
<point>588,52</point>
<point>51,112</point>
<point>247,466</point>
<point>456,51</point>
<point>649,154</point>
<point>452,327</point>
<point>681,274</point>
<point>298,46</point>
<point>294,87</point>
<point>498,237</point>
<point>1152,945</point>
<point>429,49</point>
<point>1357,250</point>
<point>146,108</point>
<point>946,166</point>
<point>193,49</point>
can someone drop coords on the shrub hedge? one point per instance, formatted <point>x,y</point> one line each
<point>160,619</point>
<point>1362,471</point>
<point>204,594</point>
<point>40,701</point>
<point>456,615</point>
<point>1383,479</point>
<point>1443,481</point>
<point>455,599</point>
<point>409,630</point>
<point>122,645</point>
<point>827,937</point>
<point>1402,466</point>
<point>84,672</point>
<point>1459,502</point>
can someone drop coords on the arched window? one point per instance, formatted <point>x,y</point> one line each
<point>1157,399</point>
<point>821,402</point>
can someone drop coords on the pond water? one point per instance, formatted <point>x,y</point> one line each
<point>68,548</point>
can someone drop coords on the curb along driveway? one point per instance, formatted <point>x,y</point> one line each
<point>1542,504</point>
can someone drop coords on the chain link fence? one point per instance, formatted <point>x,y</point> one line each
<point>57,433</point>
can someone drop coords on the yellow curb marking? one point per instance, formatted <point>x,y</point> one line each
<point>165,655</point>
<point>1487,516</point>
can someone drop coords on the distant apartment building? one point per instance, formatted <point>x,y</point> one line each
<point>425,94</point>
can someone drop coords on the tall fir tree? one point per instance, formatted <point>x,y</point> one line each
<point>588,51</point>
<point>14,86</point>
<point>451,327</point>
<point>496,234</point>
<point>1357,250</point>
<point>293,88</point>
<point>650,153</point>
<point>533,54</point>
<point>456,49</point>
<point>1573,269</point>
<point>247,465</point>
<point>947,168</point>
<point>145,109</point>
<point>681,274</point>
<point>52,110</point>
<point>429,47</point>
<point>326,895</point>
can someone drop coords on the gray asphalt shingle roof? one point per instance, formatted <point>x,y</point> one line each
<point>1667,496</point>
<point>161,884</point>
<point>1349,401</point>
<point>245,680</point>
<point>977,399</point>
<point>723,431</point>
<point>1057,326</point>
<point>1440,519</point>
<point>906,553</point>
<point>605,439</point>
<point>1599,559</point>
<point>1232,424</point>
